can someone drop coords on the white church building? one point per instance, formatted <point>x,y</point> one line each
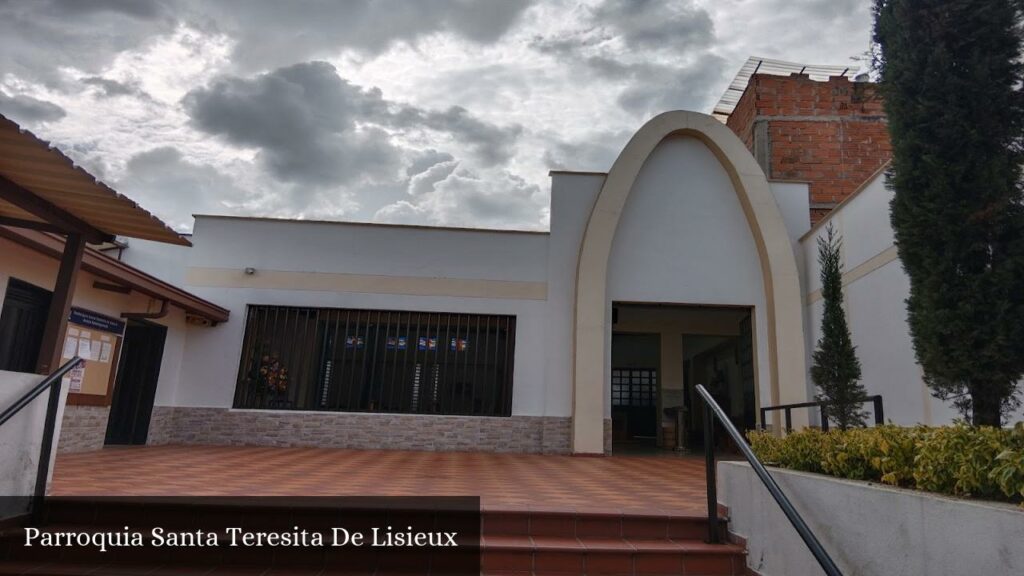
<point>684,264</point>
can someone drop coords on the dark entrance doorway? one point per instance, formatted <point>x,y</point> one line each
<point>135,387</point>
<point>21,325</point>
<point>725,366</point>
<point>659,353</point>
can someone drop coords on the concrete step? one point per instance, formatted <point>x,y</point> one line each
<point>506,555</point>
<point>609,523</point>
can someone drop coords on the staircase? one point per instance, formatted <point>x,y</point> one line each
<point>576,542</point>
<point>513,542</point>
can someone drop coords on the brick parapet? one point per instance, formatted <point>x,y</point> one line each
<point>831,134</point>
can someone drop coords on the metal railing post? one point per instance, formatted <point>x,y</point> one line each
<point>43,470</point>
<point>876,400</point>
<point>709,465</point>
<point>712,407</point>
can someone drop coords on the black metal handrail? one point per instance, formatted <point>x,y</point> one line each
<point>51,422</point>
<point>711,411</point>
<point>876,401</point>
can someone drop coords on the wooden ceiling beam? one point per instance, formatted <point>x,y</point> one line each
<point>30,224</point>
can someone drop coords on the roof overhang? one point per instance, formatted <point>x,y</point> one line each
<point>42,189</point>
<point>119,273</point>
<point>757,65</point>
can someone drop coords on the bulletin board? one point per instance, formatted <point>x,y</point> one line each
<point>97,339</point>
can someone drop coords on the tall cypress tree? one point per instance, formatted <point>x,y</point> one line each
<point>836,369</point>
<point>951,74</point>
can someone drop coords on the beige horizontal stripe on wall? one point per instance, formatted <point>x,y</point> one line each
<point>370,284</point>
<point>861,270</point>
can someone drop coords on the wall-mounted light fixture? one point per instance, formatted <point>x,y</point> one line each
<point>249,271</point>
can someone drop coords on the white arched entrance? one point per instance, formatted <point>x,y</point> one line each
<point>785,335</point>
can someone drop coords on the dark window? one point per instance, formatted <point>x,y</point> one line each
<point>376,361</point>
<point>634,387</point>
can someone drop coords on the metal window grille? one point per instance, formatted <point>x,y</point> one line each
<point>634,387</point>
<point>337,359</point>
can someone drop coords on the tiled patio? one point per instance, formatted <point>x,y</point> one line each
<point>668,485</point>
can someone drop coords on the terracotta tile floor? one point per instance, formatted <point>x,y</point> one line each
<point>673,485</point>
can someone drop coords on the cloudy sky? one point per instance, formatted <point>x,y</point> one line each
<point>445,112</point>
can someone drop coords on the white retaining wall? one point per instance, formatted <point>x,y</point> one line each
<point>869,529</point>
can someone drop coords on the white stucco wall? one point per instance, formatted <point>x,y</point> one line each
<point>572,198</point>
<point>683,238</point>
<point>373,249</point>
<point>794,202</point>
<point>165,261</point>
<point>224,246</point>
<point>875,291</point>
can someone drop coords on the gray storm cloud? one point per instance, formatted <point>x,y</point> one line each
<point>503,91</point>
<point>28,109</point>
<point>314,127</point>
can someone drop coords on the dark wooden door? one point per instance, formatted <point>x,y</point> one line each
<point>135,387</point>
<point>21,325</point>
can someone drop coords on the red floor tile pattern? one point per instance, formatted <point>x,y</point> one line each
<point>661,485</point>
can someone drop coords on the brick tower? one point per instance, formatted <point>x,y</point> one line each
<point>831,134</point>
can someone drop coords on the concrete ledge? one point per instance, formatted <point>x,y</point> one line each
<point>21,439</point>
<point>525,434</point>
<point>868,528</point>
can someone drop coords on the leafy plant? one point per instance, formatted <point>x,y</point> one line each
<point>1008,472</point>
<point>884,454</point>
<point>980,462</point>
<point>802,450</point>
<point>766,445</point>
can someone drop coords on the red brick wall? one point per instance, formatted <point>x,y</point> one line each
<point>741,121</point>
<point>831,134</point>
<point>835,157</point>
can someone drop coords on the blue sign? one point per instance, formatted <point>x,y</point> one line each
<point>94,320</point>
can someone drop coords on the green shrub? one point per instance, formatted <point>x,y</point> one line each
<point>802,450</point>
<point>959,460</point>
<point>896,450</point>
<point>847,454</point>
<point>766,445</point>
<point>981,462</point>
<point>1008,472</point>
<point>883,454</point>
<point>934,465</point>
